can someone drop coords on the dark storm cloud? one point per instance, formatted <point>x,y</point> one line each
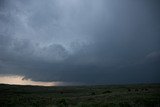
<point>105,41</point>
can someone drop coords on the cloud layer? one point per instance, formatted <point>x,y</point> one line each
<point>83,41</point>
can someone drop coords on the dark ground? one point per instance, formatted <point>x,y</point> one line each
<point>141,95</point>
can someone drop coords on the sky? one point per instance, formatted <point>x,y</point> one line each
<point>80,41</point>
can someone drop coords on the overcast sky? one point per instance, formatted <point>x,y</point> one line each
<point>81,41</point>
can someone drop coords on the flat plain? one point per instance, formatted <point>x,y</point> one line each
<point>134,95</point>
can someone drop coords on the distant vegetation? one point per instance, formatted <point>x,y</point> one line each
<point>142,95</point>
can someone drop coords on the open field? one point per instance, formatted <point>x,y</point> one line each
<point>141,95</point>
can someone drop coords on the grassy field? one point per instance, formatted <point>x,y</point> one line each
<point>141,95</point>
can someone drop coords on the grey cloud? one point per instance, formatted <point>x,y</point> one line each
<point>80,40</point>
<point>154,56</point>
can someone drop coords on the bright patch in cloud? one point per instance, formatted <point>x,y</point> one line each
<point>21,80</point>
